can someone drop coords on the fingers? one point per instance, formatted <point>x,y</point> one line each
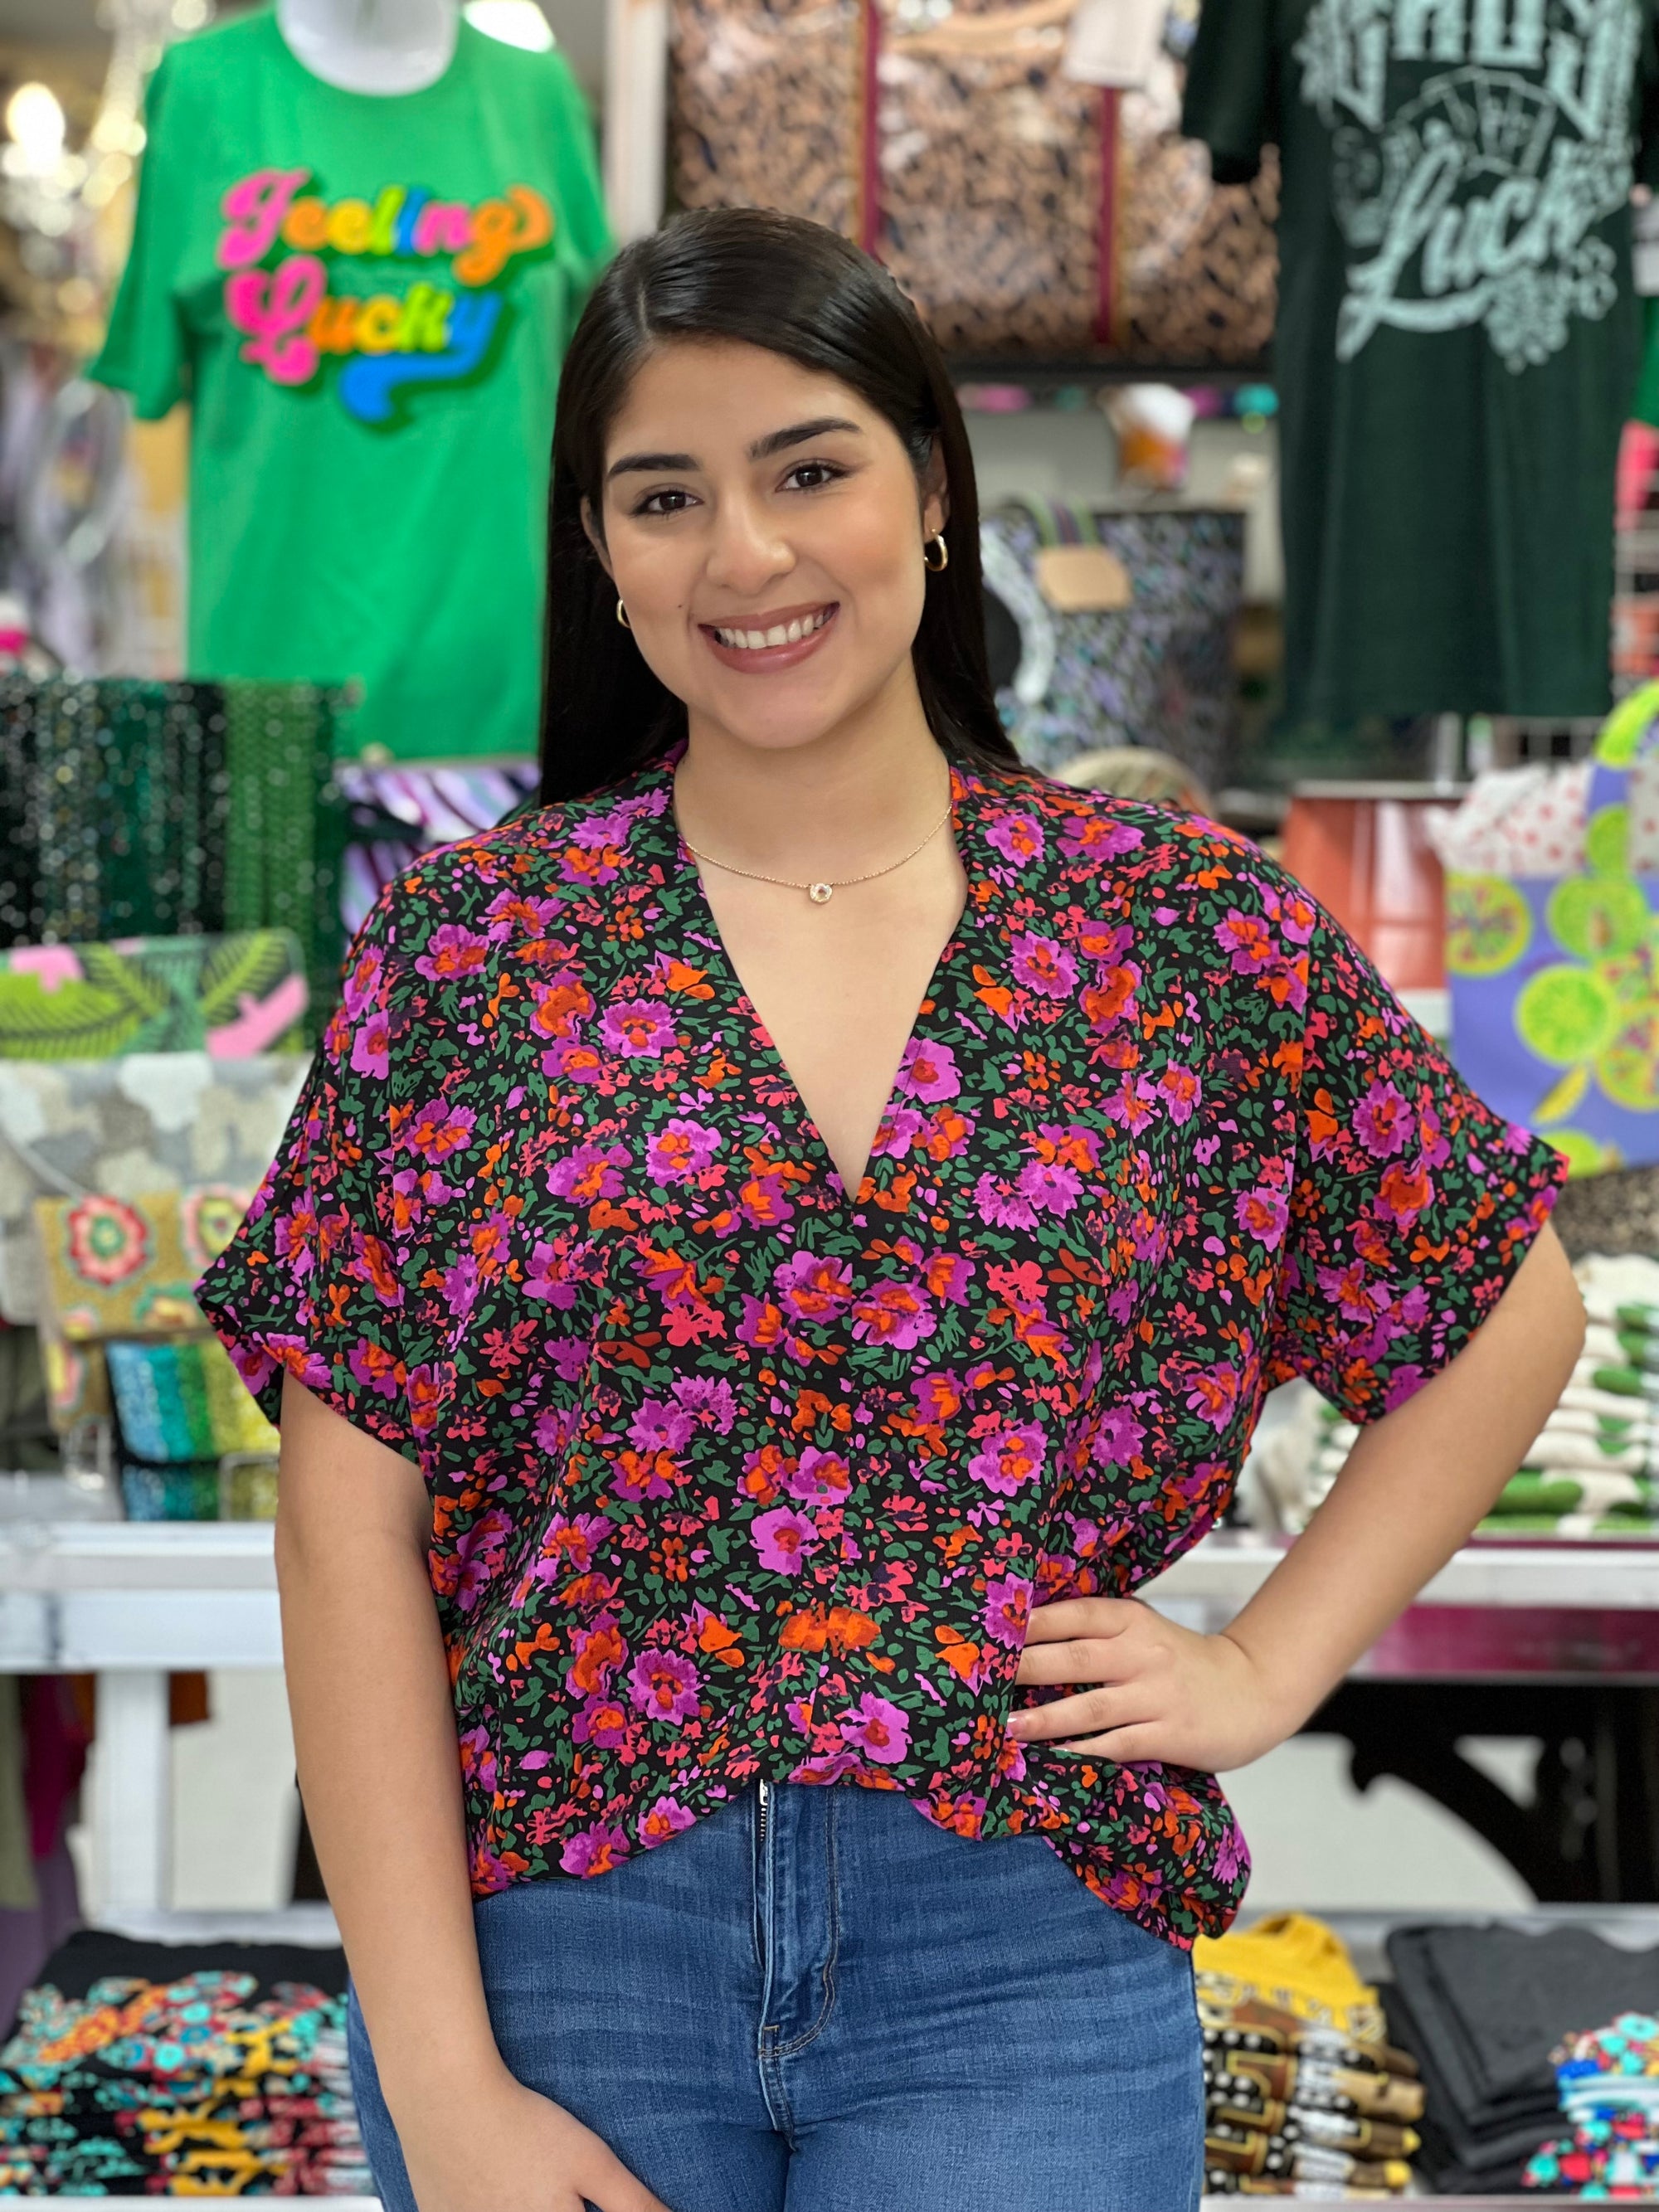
<point>1083,1659</point>
<point>1082,1616</point>
<point>1118,1706</point>
<point>1136,1744</point>
<point>616,2189</point>
<point>607,2185</point>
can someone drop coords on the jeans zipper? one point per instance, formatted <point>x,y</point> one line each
<point>765,1792</point>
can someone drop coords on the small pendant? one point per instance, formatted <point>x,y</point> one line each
<point>820,894</point>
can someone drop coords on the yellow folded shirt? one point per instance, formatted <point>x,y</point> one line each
<point>1296,1963</point>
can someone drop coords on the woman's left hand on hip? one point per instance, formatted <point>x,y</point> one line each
<point>1143,1688</point>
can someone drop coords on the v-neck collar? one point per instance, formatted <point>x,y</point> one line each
<point>679,865</point>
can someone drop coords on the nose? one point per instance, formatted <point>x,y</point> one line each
<point>747,552</point>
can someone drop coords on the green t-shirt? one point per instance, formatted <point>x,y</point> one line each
<point>366,301</point>
<point>1458,337</point>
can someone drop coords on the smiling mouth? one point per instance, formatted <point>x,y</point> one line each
<point>757,638</point>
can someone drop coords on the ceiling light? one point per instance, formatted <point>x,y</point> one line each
<point>35,124</point>
<point>515,22</point>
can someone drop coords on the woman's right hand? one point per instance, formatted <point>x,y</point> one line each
<point>515,2148</point>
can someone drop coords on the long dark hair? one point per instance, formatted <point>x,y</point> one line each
<point>797,289</point>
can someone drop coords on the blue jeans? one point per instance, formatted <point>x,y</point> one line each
<point>861,2014</point>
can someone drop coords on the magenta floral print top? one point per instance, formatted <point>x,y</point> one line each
<point>737,1473</point>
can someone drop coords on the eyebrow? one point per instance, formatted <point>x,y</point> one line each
<point>775,441</point>
<point>798,434</point>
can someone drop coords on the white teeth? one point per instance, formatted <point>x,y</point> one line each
<point>757,640</point>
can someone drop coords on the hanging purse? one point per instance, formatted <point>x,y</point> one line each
<point>1147,660</point>
<point>1027,214</point>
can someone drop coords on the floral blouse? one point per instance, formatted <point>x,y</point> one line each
<point>735,1473</point>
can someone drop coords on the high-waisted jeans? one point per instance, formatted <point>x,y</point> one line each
<point>844,2008</point>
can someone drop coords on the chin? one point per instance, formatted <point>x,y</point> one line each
<point>777,732</point>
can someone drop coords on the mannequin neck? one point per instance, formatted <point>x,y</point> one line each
<point>385,47</point>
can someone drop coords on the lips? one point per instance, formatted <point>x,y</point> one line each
<point>778,638</point>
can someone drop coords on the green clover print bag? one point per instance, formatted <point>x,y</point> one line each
<point>1555,981</point>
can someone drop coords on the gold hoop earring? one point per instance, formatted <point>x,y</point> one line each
<point>944,560</point>
<point>622,615</point>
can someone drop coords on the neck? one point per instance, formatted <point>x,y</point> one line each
<point>825,809</point>
<point>383,46</point>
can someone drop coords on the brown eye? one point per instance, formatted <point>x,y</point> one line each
<point>823,472</point>
<point>652,503</point>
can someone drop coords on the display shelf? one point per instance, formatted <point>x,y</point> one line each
<point>114,1559</point>
<point>1362,1933</point>
<point>1501,1610</point>
<point>1597,1575</point>
<point>312,1926</point>
<point>1041,375</point>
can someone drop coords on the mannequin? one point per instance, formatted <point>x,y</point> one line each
<point>390,220</point>
<point>380,46</point>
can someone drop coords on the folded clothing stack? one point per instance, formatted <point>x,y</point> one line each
<point>1303,2097</point>
<point>157,2069</point>
<point>1291,2110</point>
<point>1482,2008</point>
<point>1609,2081</point>
<point>1590,1470</point>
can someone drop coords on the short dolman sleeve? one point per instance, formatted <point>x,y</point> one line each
<point>307,1286</point>
<point>1414,1203</point>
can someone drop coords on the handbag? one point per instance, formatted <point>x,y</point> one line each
<point>205,1129</point>
<point>1155,670</point>
<point>1025,213</point>
<point>1555,979</point>
<point>231,997</point>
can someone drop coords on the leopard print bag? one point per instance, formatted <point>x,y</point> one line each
<point>1028,215</point>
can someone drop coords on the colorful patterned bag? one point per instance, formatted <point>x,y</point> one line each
<point>145,1122</point>
<point>1157,670</point>
<point>1555,980</point>
<point>118,1266</point>
<point>232,997</point>
<point>183,1400</point>
<point>1025,213</point>
<point>115,1267</point>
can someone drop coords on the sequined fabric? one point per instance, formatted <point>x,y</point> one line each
<point>139,809</point>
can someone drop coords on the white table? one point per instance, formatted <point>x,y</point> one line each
<point>133,1601</point>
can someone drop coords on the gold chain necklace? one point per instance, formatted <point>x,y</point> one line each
<point>821,893</point>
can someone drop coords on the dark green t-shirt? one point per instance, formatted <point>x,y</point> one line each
<point>366,301</point>
<point>1457,343</point>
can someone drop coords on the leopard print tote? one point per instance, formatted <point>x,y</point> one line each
<point>1029,216</point>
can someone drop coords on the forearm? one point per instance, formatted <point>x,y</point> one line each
<point>374,1735</point>
<point>1415,1486</point>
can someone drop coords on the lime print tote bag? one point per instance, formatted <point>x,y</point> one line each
<point>1555,981</point>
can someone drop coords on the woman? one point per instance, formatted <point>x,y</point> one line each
<point>781,1436</point>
